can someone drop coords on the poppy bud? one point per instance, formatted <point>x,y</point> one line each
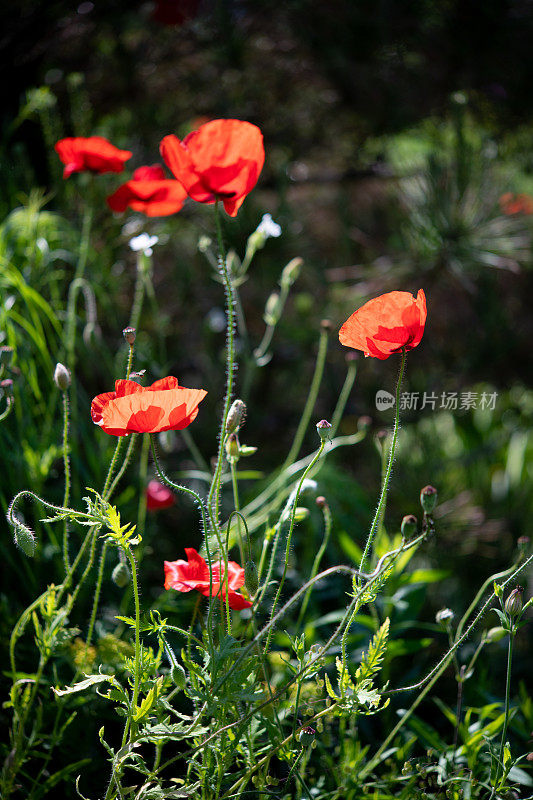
<point>7,387</point>
<point>247,450</point>
<point>300,513</point>
<point>428,498</point>
<point>513,604</point>
<point>272,309</point>
<point>61,377</point>
<point>444,616</point>
<point>322,428</point>
<point>235,416</point>
<point>409,526</point>
<point>495,635</point>
<point>306,736</point>
<point>129,334</point>
<point>232,447</point>
<point>364,423</point>
<point>25,539</point>
<point>177,673</point>
<point>204,243</point>
<point>321,501</point>
<point>325,325</point>
<point>121,575</point>
<point>523,543</point>
<point>291,272</point>
<point>251,577</point>
<point>6,355</point>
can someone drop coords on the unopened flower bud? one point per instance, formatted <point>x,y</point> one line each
<point>513,604</point>
<point>272,309</point>
<point>291,271</point>
<point>129,334</point>
<point>364,423</point>
<point>235,416</point>
<point>444,616</point>
<point>323,428</point>
<point>25,539</point>
<point>495,634</point>
<point>428,498</point>
<point>321,501</point>
<point>300,513</point>
<point>121,575</point>
<point>251,577</point>
<point>409,526</point>
<point>247,450</point>
<point>523,543</point>
<point>6,355</point>
<point>177,673</point>
<point>232,446</point>
<point>306,736</point>
<point>381,435</point>
<point>204,243</point>
<point>7,387</point>
<point>61,377</point>
<point>325,325</point>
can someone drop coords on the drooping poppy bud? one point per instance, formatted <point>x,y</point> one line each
<point>409,526</point>
<point>251,577</point>
<point>444,616</point>
<point>428,498</point>
<point>121,575</point>
<point>177,673</point>
<point>25,539</point>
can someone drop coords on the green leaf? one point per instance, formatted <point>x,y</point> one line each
<point>90,680</point>
<point>372,660</point>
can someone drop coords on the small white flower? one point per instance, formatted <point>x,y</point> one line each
<point>144,242</point>
<point>268,227</point>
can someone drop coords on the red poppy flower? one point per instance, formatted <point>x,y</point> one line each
<point>184,576</point>
<point>158,496</point>
<point>94,154</point>
<point>386,324</point>
<point>516,203</point>
<point>131,408</point>
<point>149,191</point>
<point>220,161</point>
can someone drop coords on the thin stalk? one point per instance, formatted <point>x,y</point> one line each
<point>316,564</point>
<point>385,486</point>
<point>507,708</point>
<point>237,507</point>
<point>311,400</point>
<point>178,487</point>
<point>66,467</point>
<point>289,536</point>
<point>213,498</point>
<point>343,397</point>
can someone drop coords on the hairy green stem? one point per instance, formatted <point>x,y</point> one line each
<point>66,467</point>
<point>385,486</point>
<point>289,535</point>
<point>499,764</point>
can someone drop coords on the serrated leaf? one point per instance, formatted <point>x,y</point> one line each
<point>90,680</point>
<point>371,662</point>
<point>329,688</point>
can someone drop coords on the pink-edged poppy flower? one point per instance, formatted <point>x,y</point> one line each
<point>131,408</point>
<point>159,496</point>
<point>184,576</point>
<point>219,161</point>
<point>387,324</point>
<point>150,192</point>
<point>94,154</point>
